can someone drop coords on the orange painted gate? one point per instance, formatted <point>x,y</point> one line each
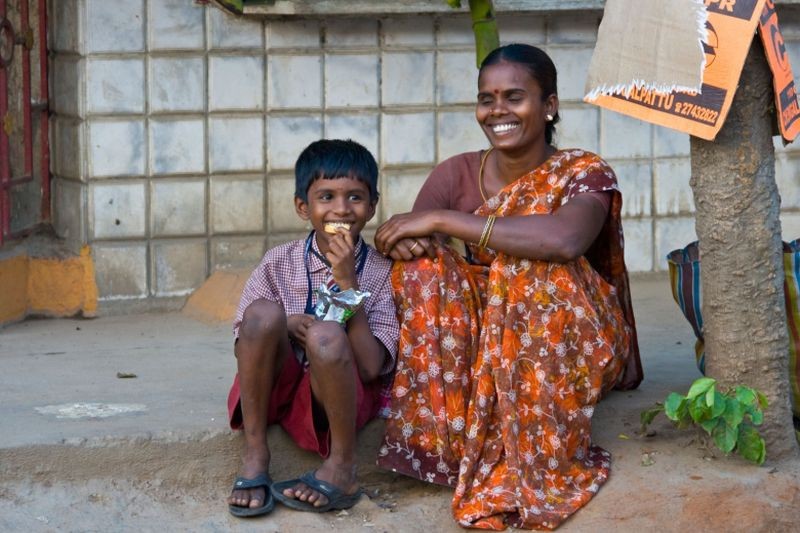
<point>24,145</point>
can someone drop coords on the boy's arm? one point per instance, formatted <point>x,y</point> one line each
<point>368,351</point>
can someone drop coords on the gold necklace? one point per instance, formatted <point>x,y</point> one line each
<point>480,172</point>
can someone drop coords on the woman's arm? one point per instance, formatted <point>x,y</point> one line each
<point>561,236</point>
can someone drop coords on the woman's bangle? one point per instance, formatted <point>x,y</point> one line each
<point>487,232</point>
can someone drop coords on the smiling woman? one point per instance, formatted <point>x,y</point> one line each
<point>505,352</point>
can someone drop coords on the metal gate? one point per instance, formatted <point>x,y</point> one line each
<point>24,146</point>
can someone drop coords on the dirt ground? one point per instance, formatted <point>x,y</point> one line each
<point>93,475</point>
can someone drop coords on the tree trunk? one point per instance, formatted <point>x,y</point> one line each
<point>738,226</point>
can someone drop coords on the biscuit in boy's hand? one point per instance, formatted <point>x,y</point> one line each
<point>334,227</point>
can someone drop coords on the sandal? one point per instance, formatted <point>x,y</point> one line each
<point>336,498</point>
<point>261,480</point>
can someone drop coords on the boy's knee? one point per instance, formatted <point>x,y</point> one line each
<point>327,343</point>
<point>262,317</point>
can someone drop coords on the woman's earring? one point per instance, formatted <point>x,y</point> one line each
<point>549,117</point>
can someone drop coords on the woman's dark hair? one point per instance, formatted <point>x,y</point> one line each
<point>539,66</point>
<point>335,158</point>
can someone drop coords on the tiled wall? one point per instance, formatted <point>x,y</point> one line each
<point>176,126</point>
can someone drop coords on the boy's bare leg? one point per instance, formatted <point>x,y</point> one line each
<point>333,384</point>
<point>262,345</point>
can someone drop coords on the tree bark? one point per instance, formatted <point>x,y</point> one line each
<point>738,226</point>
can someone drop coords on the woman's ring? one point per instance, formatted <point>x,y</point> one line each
<point>411,250</point>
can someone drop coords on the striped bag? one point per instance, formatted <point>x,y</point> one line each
<point>684,278</point>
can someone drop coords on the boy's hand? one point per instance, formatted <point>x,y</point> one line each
<point>343,262</point>
<point>298,326</point>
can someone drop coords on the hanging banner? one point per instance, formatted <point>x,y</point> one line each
<point>730,27</point>
<point>782,76</point>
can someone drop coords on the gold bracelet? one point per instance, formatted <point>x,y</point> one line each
<point>487,232</point>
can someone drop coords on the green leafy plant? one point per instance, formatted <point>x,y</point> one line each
<point>730,418</point>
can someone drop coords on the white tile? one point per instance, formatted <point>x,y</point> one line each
<point>114,26</point>
<point>356,32</point>
<point>236,144</point>
<point>237,205</point>
<point>671,234</point>
<point>178,267</point>
<point>521,28</point>
<point>623,136</point>
<point>116,148</point>
<point>227,31</point>
<point>459,132</point>
<point>280,210</point>
<point>456,30</point>
<point>177,84</point>
<point>416,129</point>
<point>790,226</point>
<point>362,128</point>
<point>574,28</point>
<point>578,128</point>
<point>669,142</point>
<point>274,239</point>
<point>572,65</point>
<point>638,235</point>
<point>407,78</point>
<point>351,80</point>
<point>65,28</point>
<point>787,176</point>
<point>176,25</point>
<point>635,181</point>
<point>456,78</point>
<point>293,34</point>
<point>120,270</point>
<point>236,82</point>
<point>400,191</point>
<point>178,207</point>
<point>115,85</point>
<point>69,209</point>
<point>177,146</point>
<point>288,136</point>
<point>67,135</point>
<point>672,191</point>
<point>233,252</point>
<point>294,81</point>
<point>118,209</point>
<point>408,31</point>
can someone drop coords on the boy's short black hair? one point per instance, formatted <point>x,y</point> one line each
<point>335,158</point>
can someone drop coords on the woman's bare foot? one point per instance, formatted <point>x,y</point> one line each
<point>254,462</point>
<point>342,476</point>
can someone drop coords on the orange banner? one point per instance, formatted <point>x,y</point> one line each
<point>731,25</point>
<point>782,76</point>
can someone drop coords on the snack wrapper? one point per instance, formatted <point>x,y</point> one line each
<point>338,306</point>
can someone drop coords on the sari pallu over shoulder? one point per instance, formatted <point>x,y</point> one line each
<point>501,364</point>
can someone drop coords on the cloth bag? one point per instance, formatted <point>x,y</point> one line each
<point>684,279</point>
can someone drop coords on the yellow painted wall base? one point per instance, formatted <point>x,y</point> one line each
<point>47,286</point>
<point>217,299</point>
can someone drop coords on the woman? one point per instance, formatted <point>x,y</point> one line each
<point>503,355</point>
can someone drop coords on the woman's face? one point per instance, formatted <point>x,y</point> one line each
<point>510,107</point>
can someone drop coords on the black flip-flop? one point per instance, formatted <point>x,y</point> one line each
<point>261,480</point>
<point>336,498</point>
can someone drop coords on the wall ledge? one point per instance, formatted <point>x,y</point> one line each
<point>281,8</point>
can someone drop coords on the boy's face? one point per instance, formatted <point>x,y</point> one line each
<point>336,200</point>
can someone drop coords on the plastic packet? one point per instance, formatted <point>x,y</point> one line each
<point>338,306</point>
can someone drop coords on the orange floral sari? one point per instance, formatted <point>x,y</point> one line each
<point>502,361</point>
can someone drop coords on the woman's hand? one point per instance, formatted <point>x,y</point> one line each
<point>396,236</point>
<point>411,248</point>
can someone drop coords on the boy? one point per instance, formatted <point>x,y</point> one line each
<point>319,379</point>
